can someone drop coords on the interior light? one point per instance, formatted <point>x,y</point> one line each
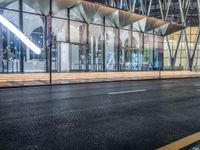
<point>20,35</point>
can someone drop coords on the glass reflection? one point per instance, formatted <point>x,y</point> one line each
<point>81,46</point>
<point>96,41</point>
<point>137,51</point>
<point>78,32</point>
<point>34,29</point>
<point>111,49</point>
<point>60,29</point>
<point>147,53</point>
<point>125,51</point>
<point>158,52</point>
<point>16,57</point>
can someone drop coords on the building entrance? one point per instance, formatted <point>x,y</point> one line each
<point>131,59</point>
<point>78,57</point>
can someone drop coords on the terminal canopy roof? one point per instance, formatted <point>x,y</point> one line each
<point>90,12</point>
<point>147,24</point>
<point>168,29</point>
<point>120,18</point>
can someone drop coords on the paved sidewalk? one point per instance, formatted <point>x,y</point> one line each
<point>82,77</point>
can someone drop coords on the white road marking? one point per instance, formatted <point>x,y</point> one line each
<point>123,92</point>
<point>197,84</point>
<point>198,90</point>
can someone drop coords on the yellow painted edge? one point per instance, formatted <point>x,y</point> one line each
<point>177,145</point>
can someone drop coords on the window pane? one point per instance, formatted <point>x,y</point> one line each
<point>9,44</point>
<point>78,32</point>
<point>158,52</point>
<point>60,29</point>
<point>137,57</point>
<point>34,30</point>
<point>111,48</point>
<point>29,8</point>
<point>96,48</point>
<point>148,52</point>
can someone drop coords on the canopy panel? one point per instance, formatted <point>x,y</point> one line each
<point>168,28</point>
<point>90,12</point>
<point>39,5</point>
<point>147,24</point>
<point>122,18</point>
<point>59,5</point>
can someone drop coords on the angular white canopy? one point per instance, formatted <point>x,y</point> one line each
<point>91,12</point>
<point>168,29</point>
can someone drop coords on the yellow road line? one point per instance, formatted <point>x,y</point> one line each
<point>177,145</point>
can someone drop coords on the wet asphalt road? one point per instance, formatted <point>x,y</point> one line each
<point>133,115</point>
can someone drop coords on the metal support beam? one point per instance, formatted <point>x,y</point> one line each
<point>176,51</point>
<point>21,47</point>
<point>149,9</point>
<point>87,47</point>
<point>104,43</point>
<point>1,47</point>
<point>133,6</point>
<point>161,9</point>
<point>118,52</point>
<point>142,7</point>
<point>50,41</point>
<point>183,19</point>
<point>167,10</point>
<point>169,51</point>
<point>198,35</point>
<point>45,42</point>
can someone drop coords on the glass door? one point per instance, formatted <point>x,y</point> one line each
<point>128,60</point>
<point>125,59</point>
<point>136,60</point>
<point>78,57</point>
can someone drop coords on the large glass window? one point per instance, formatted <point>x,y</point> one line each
<point>34,29</point>
<point>147,53</point>
<point>158,52</point>
<point>111,49</point>
<point>180,56</point>
<point>96,41</point>
<point>78,57</point>
<point>125,60</point>
<point>78,32</point>
<point>137,44</point>
<point>60,49</point>
<point>9,45</point>
<point>15,56</point>
<point>80,46</point>
<point>60,29</point>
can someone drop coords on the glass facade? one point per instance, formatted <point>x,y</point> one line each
<point>15,57</point>
<point>71,40</point>
<point>96,46</point>
<point>181,48</point>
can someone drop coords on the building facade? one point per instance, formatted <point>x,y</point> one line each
<point>91,37</point>
<point>181,49</point>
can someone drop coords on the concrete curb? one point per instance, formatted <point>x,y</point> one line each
<point>103,81</point>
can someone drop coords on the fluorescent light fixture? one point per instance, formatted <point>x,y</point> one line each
<point>20,35</point>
